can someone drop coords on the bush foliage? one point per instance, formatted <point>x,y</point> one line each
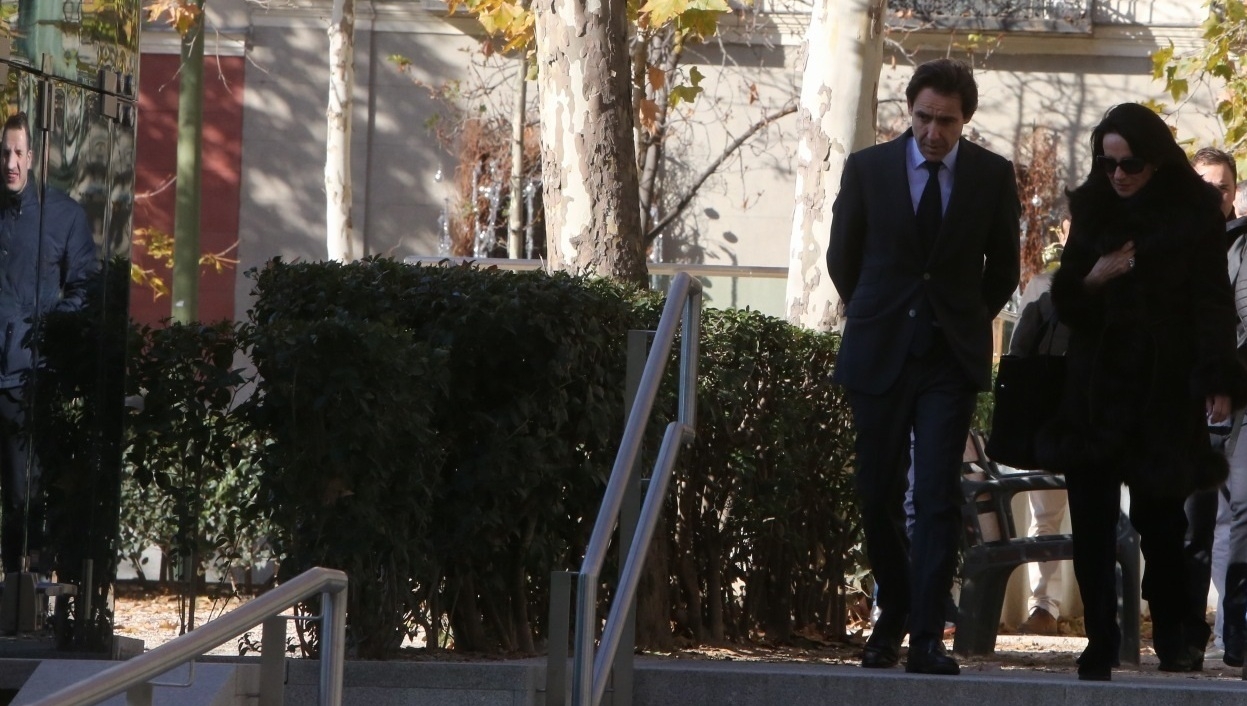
<point>444,435</point>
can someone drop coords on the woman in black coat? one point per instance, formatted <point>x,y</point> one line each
<point>1151,358</point>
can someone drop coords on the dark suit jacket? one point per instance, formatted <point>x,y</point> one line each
<point>882,271</point>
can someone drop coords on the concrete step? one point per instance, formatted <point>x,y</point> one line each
<point>662,682</point>
<point>658,682</point>
<point>749,684</point>
<point>209,685</point>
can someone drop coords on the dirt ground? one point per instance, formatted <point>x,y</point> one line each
<point>154,618</point>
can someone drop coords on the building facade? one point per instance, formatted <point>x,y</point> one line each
<point>1057,66</point>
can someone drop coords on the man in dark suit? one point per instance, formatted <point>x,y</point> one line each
<point>924,254</point>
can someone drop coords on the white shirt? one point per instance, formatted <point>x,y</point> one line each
<point>918,174</point>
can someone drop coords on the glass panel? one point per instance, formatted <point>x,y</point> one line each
<point>74,40</point>
<point>64,283</point>
<point>736,288</point>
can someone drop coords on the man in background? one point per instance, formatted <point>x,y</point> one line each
<point>47,254</point>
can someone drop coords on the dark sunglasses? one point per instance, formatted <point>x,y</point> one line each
<point>1129,165</point>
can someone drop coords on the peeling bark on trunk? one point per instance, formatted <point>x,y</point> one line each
<point>588,159</point>
<point>515,217</point>
<point>340,239</point>
<point>839,86</point>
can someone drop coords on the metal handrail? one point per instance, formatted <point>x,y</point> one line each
<point>653,268</point>
<point>589,679</point>
<point>137,672</point>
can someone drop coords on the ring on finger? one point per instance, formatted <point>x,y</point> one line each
<point>1130,263</point>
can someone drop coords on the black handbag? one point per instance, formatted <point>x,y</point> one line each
<point>1027,391</point>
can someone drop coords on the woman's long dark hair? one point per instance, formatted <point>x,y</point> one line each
<point>1151,140</point>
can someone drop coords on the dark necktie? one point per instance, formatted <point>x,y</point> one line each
<point>928,217</point>
<point>930,206</point>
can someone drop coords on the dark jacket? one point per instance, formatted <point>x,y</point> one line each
<point>58,282</point>
<point>1148,347</point>
<point>883,273</point>
<point>1039,331</point>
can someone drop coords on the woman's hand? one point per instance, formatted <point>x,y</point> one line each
<point>1218,407</point>
<point>1114,264</point>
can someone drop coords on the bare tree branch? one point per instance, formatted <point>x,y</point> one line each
<point>710,169</point>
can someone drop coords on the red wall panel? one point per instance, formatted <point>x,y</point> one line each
<point>156,168</point>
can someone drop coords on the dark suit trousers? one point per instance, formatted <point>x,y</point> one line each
<point>1177,617</point>
<point>933,397</point>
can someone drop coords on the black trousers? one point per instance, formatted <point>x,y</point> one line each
<point>1177,617</point>
<point>1201,524</point>
<point>21,525</point>
<point>934,398</point>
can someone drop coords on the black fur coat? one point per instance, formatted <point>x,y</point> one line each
<point>1149,346</point>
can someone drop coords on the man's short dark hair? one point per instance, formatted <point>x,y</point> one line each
<point>1212,155</point>
<point>19,121</point>
<point>947,77</point>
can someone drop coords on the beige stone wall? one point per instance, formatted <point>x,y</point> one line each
<point>741,216</point>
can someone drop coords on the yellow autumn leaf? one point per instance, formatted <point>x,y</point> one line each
<point>684,94</point>
<point>663,11</point>
<point>709,5</point>
<point>700,23</point>
<point>182,15</point>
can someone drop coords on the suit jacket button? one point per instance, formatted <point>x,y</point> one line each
<point>913,313</point>
<point>926,275</point>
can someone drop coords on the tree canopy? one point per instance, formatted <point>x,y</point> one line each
<point>1220,59</point>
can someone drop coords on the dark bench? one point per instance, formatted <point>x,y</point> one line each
<point>993,550</point>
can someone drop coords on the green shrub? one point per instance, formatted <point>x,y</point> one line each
<point>188,488</point>
<point>444,435</point>
<point>523,407</point>
<point>767,522</point>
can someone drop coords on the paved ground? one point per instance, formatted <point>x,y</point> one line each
<point>154,619</point>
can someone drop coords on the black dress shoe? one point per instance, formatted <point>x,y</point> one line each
<point>881,656</point>
<point>1234,637</point>
<point>1097,661</point>
<point>1098,672</point>
<point>883,649</point>
<point>1187,659</point>
<point>1183,663</point>
<point>928,657</point>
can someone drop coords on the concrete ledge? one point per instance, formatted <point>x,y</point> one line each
<point>662,682</point>
<point>512,683</point>
<point>690,683</point>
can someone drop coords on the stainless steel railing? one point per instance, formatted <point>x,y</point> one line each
<point>654,268</point>
<point>133,677</point>
<point>590,673</point>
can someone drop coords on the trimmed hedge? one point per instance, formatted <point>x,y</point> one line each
<point>444,435</point>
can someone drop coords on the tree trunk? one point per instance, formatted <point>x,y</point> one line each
<point>653,597</point>
<point>839,86</point>
<point>466,623</point>
<point>190,158</point>
<point>522,626</point>
<point>515,220</point>
<point>588,159</point>
<point>340,239</point>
